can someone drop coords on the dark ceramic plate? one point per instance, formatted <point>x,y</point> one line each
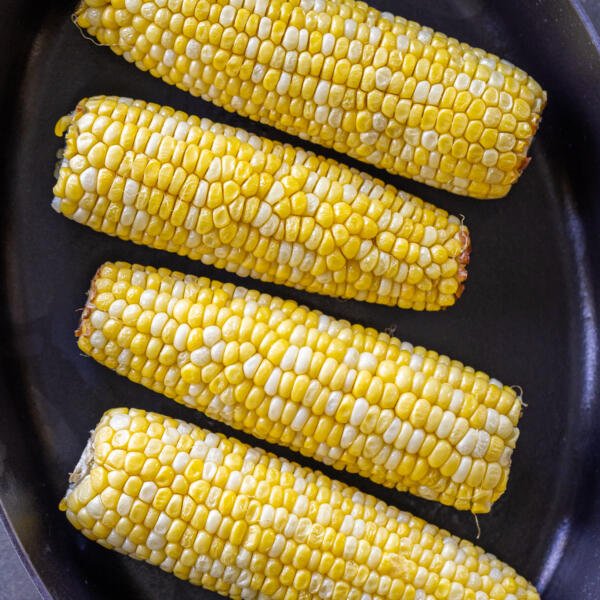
<point>528,315</point>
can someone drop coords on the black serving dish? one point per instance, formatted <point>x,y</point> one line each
<point>528,315</point>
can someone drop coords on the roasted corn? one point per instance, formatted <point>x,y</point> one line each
<point>247,524</point>
<point>348,396</point>
<point>380,88</point>
<point>158,177</point>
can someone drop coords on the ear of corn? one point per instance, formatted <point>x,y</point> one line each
<point>245,523</point>
<point>158,177</point>
<point>338,73</point>
<point>346,395</point>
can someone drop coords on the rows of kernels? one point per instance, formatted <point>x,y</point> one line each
<point>255,207</point>
<point>243,522</point>
<point>377,87</point>
<point>348,396</point>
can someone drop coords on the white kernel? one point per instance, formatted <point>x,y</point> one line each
<point>234,481</point>
<point>322,92</point>
<point>300,418</point>
<point>200,357</point>
<point>81,215</point>
<point>464,468</point>
<point>496,80</point>
<point>446,425</point>
<point>375,35</point>
<point>251,365</point>
<point>416,439</point>
<point>180,462</point>
<point>213,521</point>
<point>148,491</point>
<point>209,471</point>
<point>367,362</point>
<point>263,214</point>
<point>355,50</point>
<point>359,411</point>
<point>275,408</point>
<point>147,299</point>
<point>402,439</point>
<point>327,44</point>
<point>435,94</point>
<point>217,351</point>
<point>300,507</point>
<point>211,335</point>
<point>429,140</point>
<point>458,398</point>
<point>193,49</point>
<point>163,523</point>
<point>98,318</point>
<point>462,82</point>
<point>278,545</point>
<point>252,47</point>
<point>477,87</point>
<point>214,170</point>
<point>380,122</point>
<point>155,541</point>
<point>261,6</point>
<point>505,427</point>
<point>490,157</point>
<point>95,508</point>
<point>393,460</point>
<point>392,431</point>
<point>124,504</point>
<point>158,323</point>
<point>290,62</point>
<point>275,194</point>
<point>267,516</point>
<point>383,77</point>
<point>303,36</point>
<point>352,357</point>
<point>348,436</point>
<point>303,361</point>
<point>290,39</point>
<point>115,540</point>
<point>482,444</point>
<point>332,403</point>
<point>264,28</point>
<point>468,443</point>
<point>290,526</point>
<point>350,27</point>
<point>97,339</point>
<point>347,525</point>
<point>88,179</point>
<point>288,359</point>
<point>283,84</point>
<point>227,16</point>
<point>402,43</point>
<point>133,6</point>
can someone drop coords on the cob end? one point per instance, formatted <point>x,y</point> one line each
<point>85,327</point>
<point>82,468</point>
<point>463,258</point>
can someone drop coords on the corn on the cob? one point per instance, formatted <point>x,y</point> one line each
<point>243,522</point>
<point>158,177</point>
<point>348,396</point>
<point>338,73</point>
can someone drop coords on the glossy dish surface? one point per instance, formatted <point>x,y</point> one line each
<point>527,314</point>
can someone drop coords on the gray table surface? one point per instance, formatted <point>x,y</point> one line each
<point>15,583</point>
